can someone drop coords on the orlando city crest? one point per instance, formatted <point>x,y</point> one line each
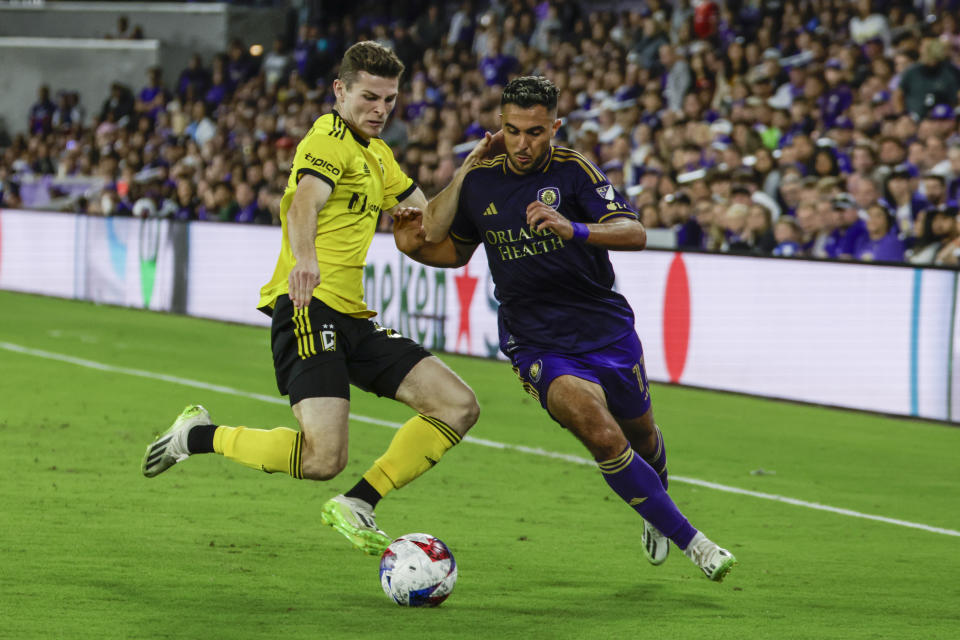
<point>549,196</point>
<point>535,370</point>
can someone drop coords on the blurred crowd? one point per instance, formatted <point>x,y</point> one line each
<point>815,128</point>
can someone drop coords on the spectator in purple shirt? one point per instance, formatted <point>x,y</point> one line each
<point>247,203</point>
<point>838,97</point>
<point>41,112</point>
<point>194,80</point>
<point>219,89</point>
<point>880,243</point>
<point>153,97</point>
<point>119,104</point>
<point>850,227</point>
<point>240,65</point>
<point>69,114</point>
<point>680,214</point>
<point>305,48</point>
<point>185,200</point>
<point>495,66</point>
<point>787,233</point>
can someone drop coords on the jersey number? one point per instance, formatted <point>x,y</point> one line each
<point>641,378</point>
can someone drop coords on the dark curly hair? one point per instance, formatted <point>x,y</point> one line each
<point>530,91</point>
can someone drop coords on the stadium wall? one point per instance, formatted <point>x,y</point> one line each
<point>62,44</point>
<point>871,337</point>
<point>185,28</point>
<point>87,66</point>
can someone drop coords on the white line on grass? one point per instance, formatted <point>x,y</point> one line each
<point>198,384</point>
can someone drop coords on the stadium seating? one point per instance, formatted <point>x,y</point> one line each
<point>767,130</point>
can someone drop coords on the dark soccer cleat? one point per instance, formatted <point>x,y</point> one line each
<point>171,446</point>
<point>656,546</point>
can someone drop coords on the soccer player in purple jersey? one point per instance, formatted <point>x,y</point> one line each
<point>546,217</point>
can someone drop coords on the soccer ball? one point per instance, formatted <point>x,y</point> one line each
<point>417,570</point>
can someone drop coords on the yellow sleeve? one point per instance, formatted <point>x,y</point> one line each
<point>323,154</point>
<point>396,184</point>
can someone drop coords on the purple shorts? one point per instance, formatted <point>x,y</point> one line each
<point>618,368</point>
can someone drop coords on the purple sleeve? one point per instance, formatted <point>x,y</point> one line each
<point>599,199</point>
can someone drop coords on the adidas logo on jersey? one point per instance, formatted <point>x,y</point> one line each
<point>491,210</point>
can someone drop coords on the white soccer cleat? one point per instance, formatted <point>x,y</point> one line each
<point>713,560</point>
<point>656,546</point>
<point>354,519</point>
<point>171,446</point>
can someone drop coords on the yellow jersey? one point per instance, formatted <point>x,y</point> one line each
<point>366,179</point>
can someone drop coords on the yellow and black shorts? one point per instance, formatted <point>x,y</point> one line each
<point>319,352</point>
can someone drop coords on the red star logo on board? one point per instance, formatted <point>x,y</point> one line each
<point>466,285</point>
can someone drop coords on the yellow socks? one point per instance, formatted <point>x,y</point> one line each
<point>274,450</point>
<point>418,445</point>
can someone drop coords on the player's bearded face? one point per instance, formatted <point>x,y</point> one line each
<point>527,134</point>
<point>367,103</point>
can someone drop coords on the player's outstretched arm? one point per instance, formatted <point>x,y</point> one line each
<point>410,237</point>
<point>439,213</point>
<point>312,193</point>
<point>618,234</point>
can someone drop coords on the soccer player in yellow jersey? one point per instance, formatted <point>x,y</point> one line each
<point>322,335</point>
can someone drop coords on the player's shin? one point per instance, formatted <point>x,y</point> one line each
<point>658,459</point>
<point>636,482</point>
<point>274,450</point>
<point>417,446</point>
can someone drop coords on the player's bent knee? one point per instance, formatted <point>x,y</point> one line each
<point>458,407</point>
<point>462,411</point>
<point>470,411</point>
<point>322,466</point>
<point>603,443</point>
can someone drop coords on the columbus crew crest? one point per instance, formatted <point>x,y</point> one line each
<point>549,196</point>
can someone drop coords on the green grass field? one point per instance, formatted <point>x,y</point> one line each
<point>210,549</point>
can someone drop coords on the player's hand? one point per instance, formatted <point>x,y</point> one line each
<point>496,145</point>
<point>304,278</point>
<point>408,232</point>
<point>488,146</point>
<point>540,217</point>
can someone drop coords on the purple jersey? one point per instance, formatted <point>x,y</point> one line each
<point>889,248</point>
<point>554,294</point>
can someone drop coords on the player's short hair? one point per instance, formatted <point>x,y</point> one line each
<point>530,91</point>
<point>372,57</point>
